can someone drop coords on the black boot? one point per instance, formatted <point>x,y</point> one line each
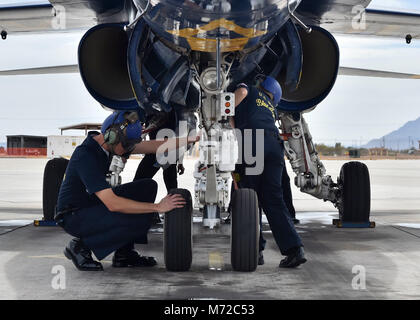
<point>131,258</point>
<point>81,256</point>
<point>294,259</point>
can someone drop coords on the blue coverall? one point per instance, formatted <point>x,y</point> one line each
<point>101,230</point>
<point>256,111</point>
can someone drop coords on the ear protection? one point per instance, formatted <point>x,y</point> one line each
<point>116,132</point>
<point>259,79</point>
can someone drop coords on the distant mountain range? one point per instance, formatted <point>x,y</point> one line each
<point>404,138</point>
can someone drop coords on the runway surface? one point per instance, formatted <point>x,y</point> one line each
<point>342,263</point>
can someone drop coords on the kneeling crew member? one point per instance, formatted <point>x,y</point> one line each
<point>105,219</point>
<point>255,109</point>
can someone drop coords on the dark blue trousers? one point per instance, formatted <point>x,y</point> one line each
<point>288,200</point>
<point>268,186</point>
<point>104,231</point>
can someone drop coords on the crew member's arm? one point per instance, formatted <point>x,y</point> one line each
<point>95,183</point>
<point>152,146</point>
<point>240,94</point>
<point>115,203</point>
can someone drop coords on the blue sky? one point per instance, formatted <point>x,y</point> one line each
<point>357,110</point>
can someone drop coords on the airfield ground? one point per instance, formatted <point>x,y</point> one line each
<point>389,255</point>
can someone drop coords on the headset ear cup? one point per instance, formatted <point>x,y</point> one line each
<point>114,137</point>
<point>106,136</point>
<point>111,137</point>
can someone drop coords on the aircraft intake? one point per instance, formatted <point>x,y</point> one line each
<point>314,60</point>
<point>320,54</point>
<point>103,66</point>
<point>127,69</point>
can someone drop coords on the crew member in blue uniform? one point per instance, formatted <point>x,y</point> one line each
<point>104,219</point>
<point>288,200</point>
<point>255,109</point>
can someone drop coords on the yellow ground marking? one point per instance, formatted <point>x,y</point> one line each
<point>215,261</point>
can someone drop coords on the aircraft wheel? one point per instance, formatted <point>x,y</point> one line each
<point>354,183</point>
<point>53,176</point>
<point>245,230</point>
<point>177,244</point>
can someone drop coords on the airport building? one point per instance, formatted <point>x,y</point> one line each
<point>378,152</point>
<point>24,145</point>
<point>51,146</point>
<point>64,145</point>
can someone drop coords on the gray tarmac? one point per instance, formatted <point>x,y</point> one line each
<point>379,263</point>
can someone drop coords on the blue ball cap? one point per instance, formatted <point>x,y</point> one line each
<point>271,85</point>
<point>132,131</point>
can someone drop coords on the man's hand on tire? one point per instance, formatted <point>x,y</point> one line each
<point>170,202</point>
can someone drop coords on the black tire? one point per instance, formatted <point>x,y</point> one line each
<point>354,183</point>
<point>53,176</point>
<point>177,243</point>
<point>244,230</point>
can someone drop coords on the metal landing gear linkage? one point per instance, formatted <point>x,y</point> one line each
<point>310,173</point>
<point>218,149</point>
<point>218,156</point>
<point>350,195</point>
<point>218,144</point>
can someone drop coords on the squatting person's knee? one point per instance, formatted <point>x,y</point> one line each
<point>152,187</point>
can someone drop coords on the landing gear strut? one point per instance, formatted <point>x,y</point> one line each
<point>218,157</point>
<point>350,195</point>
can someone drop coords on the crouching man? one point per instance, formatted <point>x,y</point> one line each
<point>104,219</point>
